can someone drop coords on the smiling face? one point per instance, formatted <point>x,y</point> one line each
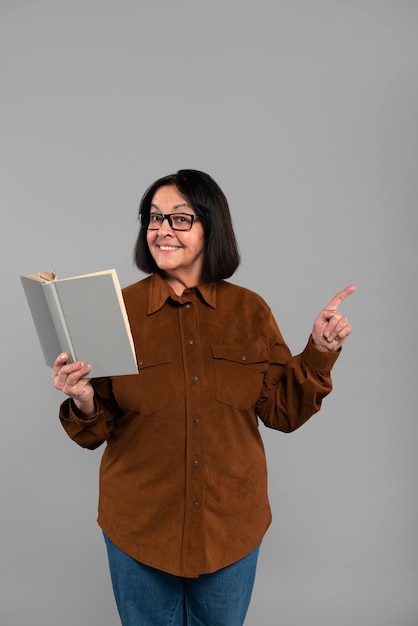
<point>178,254</point>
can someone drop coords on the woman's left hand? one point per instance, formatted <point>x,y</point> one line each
<point>331,328</point>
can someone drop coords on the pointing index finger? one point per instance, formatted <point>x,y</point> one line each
<point>339,297</point>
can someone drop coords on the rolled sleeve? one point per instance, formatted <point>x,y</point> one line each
<point>90,433</point>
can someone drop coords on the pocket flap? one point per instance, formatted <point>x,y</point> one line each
<point>155,355</point>
<point>244,353</point>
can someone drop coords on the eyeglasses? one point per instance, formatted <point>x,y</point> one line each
<point>177,221</point>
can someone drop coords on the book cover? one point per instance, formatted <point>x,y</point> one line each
<point>84,316</point>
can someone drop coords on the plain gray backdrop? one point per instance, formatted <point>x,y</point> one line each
<point>305,112</point>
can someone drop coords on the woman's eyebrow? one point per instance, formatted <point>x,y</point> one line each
<point>177,206</point>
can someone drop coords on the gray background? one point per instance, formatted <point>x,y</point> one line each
<point>305,112</point>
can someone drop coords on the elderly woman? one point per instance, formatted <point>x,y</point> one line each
<point>183,484</point>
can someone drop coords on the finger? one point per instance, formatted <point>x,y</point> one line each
<point>77,372</point>
<point>58,363</point>
<point>69,375</point>
<point>73,379</point>
<point>333,322</point>
<point>339,327</point>
<point>344,332</point>
<point>339,297</point>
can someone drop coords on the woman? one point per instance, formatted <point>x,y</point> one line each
<point>183,484</point>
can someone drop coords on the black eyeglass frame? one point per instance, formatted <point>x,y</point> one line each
<point>145,220</point>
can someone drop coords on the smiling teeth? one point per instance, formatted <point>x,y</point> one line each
<point>168,247</point>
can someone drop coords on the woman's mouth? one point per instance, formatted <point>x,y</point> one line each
<point>168,248</point>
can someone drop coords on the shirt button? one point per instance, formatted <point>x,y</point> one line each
<point>190,342</point>
<point>195,463</point>
<point>187,305</point>
<point>195,505</point>
<point>195,421</point>
<point>243,357</point>
<point>194,379</point>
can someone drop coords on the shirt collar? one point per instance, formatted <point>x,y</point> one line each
<point>160,291</point>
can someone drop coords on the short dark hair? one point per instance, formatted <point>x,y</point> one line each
<point>221,254</point>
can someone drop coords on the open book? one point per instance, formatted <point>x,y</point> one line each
<point>84,316</point>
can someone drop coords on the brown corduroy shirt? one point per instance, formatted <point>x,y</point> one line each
<point>183,479</point>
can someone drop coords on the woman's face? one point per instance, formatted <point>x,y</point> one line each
<point>179,254</point>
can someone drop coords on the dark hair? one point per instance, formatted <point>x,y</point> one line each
<point>221,255</point>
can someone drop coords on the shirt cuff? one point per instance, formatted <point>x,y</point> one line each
<point>70,413</point>
<point>317,360</point>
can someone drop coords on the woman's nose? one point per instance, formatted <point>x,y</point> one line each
<point>165,227</point>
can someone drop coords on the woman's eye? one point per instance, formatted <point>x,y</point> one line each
<point>182,220</point>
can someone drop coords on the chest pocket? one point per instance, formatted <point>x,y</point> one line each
<point>240,369</point>
<point>153,388</point>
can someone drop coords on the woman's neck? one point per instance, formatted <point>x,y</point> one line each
<point>179,285</point>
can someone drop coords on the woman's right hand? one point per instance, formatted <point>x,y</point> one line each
<point>69,378</point>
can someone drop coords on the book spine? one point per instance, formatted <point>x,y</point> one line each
<point>58,318</point>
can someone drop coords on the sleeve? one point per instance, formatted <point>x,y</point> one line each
<point>293,386</point>
<point>93,432</point>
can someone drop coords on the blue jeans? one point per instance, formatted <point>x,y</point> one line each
<point>149,597</point>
